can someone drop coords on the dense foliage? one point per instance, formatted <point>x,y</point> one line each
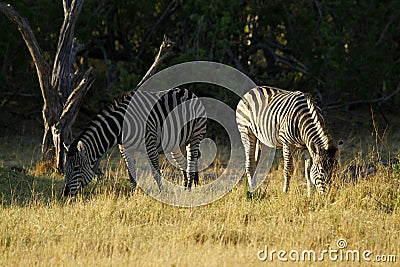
<point>339,50</point>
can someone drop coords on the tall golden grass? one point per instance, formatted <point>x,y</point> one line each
<point>110,225</point>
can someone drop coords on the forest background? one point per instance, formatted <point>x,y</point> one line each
<point>343,52</point>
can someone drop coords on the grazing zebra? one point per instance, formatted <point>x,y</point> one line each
<point>154,123</point>
<point>287,120</point>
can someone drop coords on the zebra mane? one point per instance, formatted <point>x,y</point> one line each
<point>314,109</point>
<point>106,108</point>
<point>316,112</point>
<point>329,156</point>
<point>121,97</point>
<point>117,100</point>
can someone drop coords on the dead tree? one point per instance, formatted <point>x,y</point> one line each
<point>63,86</point>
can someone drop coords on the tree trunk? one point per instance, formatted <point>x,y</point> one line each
<point>69,87</point>
<point>62,88</point>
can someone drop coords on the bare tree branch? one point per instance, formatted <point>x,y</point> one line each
<point>269,47</point>
<point>64,61</point>
<point>370,101</point>
<point>382,35</point>
<point>164,51</point>
<point>167,12</point>
<point>61,131</point>
<point>66,6</point>
<point>234,59</point>
<point>75,100</point>
<point>42,67</point>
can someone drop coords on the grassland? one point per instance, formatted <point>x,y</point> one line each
<point>110,225</point>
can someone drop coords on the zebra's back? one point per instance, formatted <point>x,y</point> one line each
<point>267,110</point>
<point>166,115</point>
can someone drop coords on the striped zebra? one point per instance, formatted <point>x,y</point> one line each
<point>289,120</point>
<point>152,122</point>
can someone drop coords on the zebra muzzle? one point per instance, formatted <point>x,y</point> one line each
<point>321,190</point>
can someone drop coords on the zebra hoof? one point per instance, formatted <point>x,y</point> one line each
<point>160,187</point>
<point>250,195</point>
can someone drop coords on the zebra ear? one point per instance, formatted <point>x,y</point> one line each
<point>340,144</point>
<point>314,149</point>
<point>81,148</point>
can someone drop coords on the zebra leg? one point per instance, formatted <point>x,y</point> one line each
<point>182,163</point>
<point>287,166</point>
<point>152,155</point>
<point>131,164</point>
<point>307,168</point>
<point>193,154</point>
<point>193,151</point>
<point>249,142</point>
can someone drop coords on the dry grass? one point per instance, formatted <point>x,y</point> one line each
<point>108,225</point>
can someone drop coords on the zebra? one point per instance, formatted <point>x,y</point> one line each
<point>137,122</point>
<point>288,120</point>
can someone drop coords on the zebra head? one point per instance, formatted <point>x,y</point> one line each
<point>323,164</point>
<point>78,170</point>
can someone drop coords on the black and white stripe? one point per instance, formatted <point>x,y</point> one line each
<point>287,120</point>
<point>152,122</point>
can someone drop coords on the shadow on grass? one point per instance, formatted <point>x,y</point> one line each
<point>19,188</point>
